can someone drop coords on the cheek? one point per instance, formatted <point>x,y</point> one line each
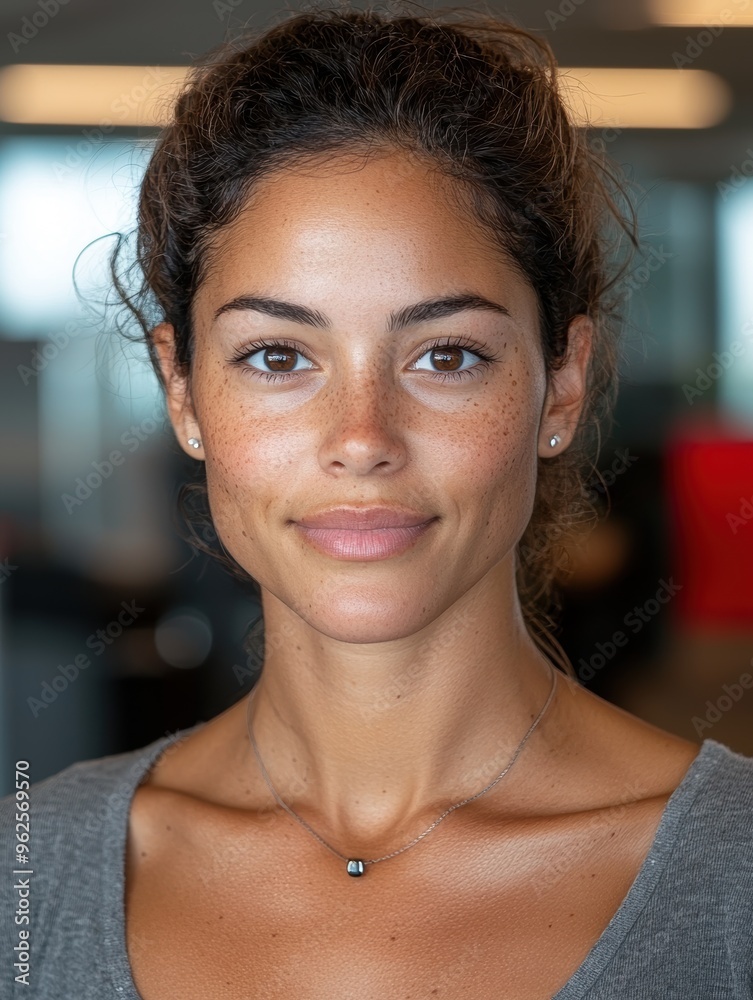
<point>497,467</point>
<point>245,460</point>
<point>243,452</point>
<point>249,467</point>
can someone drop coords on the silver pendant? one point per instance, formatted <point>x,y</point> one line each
<point>356,868</point>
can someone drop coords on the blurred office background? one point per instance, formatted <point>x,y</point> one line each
<point>113,631</point>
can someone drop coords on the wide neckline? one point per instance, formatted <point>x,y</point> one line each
<point>114,842</point>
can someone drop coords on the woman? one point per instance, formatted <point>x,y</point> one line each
<point>376,249</point>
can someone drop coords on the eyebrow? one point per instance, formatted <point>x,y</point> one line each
<point>419,312</point>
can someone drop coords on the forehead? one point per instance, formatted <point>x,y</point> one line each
<point>390,227</point>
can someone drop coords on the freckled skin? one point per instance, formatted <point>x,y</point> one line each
<point>392,674</point>
<point>362,428</point>
<point>391,689</point>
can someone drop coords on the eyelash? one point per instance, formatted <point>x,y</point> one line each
<point>243,353</point>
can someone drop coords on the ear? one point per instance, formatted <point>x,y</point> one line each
<point>177,389</point>
<point>567,389</point>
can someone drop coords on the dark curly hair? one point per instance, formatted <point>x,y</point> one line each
<point>476,97</point>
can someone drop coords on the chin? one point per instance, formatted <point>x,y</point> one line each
<point>364,615</point>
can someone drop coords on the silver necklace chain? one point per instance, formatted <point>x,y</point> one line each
<point>356,866</point>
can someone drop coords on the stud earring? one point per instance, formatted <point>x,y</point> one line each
<point>554,440</point>
<point>194,442</point>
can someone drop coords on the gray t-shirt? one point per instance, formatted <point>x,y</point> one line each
<point>684,930</point>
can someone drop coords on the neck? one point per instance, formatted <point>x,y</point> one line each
<point>367,741</point>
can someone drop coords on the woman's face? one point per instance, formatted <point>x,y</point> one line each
<point>359,409</point>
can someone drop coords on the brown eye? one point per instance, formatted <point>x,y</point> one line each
<point>279,361</point>
<point>267,359</point>
<point>446,359</point>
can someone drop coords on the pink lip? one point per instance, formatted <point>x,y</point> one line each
<point>364,534</point>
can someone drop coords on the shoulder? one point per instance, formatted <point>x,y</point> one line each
<point>62,839</point>
<point>612,755</point>
<point>719,796</point>
<point>704,845</point>
<point>84,784</point>
<point>66,814</point>
<point>684,928</point>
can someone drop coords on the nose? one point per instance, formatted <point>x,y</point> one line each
<point>363,428</point>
